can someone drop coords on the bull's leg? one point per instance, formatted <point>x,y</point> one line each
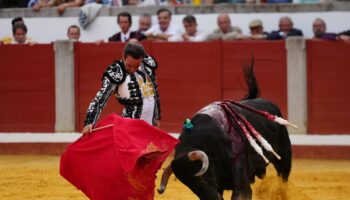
<point>241,183</point>
<point>206,192</point>
<point>284,165</point>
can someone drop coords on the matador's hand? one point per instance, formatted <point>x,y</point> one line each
<point>87,129</point>
<point>157,124</point>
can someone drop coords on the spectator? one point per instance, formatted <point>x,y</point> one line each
<point>256,31</point>
<point>225,31</point>
<point>285,30</point>
<point>73,32</point>
<point>345,33</point>
<point>9,39</point>
<point>319,29</point>
<point>145,23</point>
<point>19,31</point>
<point>191,33</point>
<point>61,4</point>
<point>17,20</point>
<point>13,3</point>
<point>164,31</point>
<point>125,34</point>
<point>104,2</point>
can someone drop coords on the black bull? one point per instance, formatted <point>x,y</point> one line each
<point>214,155</point>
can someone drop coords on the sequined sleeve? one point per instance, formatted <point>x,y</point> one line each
<point>150,62</point>
<point>99,102</point>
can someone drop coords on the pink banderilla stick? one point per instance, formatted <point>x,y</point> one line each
<point>245,131</point>
<point>267,115</point>
<point>257,135</point>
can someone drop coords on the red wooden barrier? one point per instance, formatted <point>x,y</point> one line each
<point>27,88</point>
<point>190,76</point>
<point>328,87</point>
<point>270,70</point>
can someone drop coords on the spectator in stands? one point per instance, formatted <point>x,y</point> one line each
<point>73,32</point>
<point>13,3</point>
<point>225,31</point>
<point>61,4</point>
<point>164,30</point>
<point>256,31</point>
<point>9,39</point>
<point>17,20</point>
<point>346,33</point>
<point>145,23</point>
<point>19,31</point>
<point>104,2</point>
<point>319,28</point>
<point>125,34</point>
<point>191,33</point>
<point>285,30</point>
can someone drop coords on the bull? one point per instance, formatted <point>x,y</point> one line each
<point>215,153</point>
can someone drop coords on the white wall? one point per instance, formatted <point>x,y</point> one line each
<point>45,30</point>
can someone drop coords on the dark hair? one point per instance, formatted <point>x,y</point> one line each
<point>164,10</point>
<point>73,26</point>
<point>190,19</point>
<point>125,14</point>
<point>146,15</point>
<point>16,19</point>
<point>19,26</point>
<point>134,50</point>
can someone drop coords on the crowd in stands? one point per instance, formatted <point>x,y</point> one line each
<point>165,30</point>
<point>62,4</point>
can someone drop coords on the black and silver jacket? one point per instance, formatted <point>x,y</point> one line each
<point>116,77</point>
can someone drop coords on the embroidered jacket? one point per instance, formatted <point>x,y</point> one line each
<point>117,80</point>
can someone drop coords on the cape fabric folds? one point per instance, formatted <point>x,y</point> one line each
<point>119,161</point>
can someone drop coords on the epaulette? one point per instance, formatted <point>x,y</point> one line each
<point>115,72</point>
<point>150,62</point>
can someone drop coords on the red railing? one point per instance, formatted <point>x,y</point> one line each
<point>328,87</point>
<point>27,88</point>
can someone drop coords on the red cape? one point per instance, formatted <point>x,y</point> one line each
<point>118,162</point>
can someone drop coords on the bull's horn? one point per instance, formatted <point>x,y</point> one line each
<point>199,155</point>
<point>165,177</point>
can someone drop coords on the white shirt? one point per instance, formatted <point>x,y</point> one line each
<point>124,37</point>
<point>198,37</point>
<point>173,30</point>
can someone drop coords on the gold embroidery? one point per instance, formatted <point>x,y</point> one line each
<point>146,88</point>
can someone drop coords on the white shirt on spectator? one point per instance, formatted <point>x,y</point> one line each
<point>124,37</point>
<point>173,30</point>
<point>198,37</point>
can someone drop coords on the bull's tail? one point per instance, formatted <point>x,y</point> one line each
<point>253,88</point>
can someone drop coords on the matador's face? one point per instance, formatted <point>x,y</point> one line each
<point>131,64</point>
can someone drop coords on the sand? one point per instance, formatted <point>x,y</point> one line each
<point>24,177</point>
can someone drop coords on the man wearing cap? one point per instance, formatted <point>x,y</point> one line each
<point>257,30</point>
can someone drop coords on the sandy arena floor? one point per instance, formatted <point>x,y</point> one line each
<point>37,177</point>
